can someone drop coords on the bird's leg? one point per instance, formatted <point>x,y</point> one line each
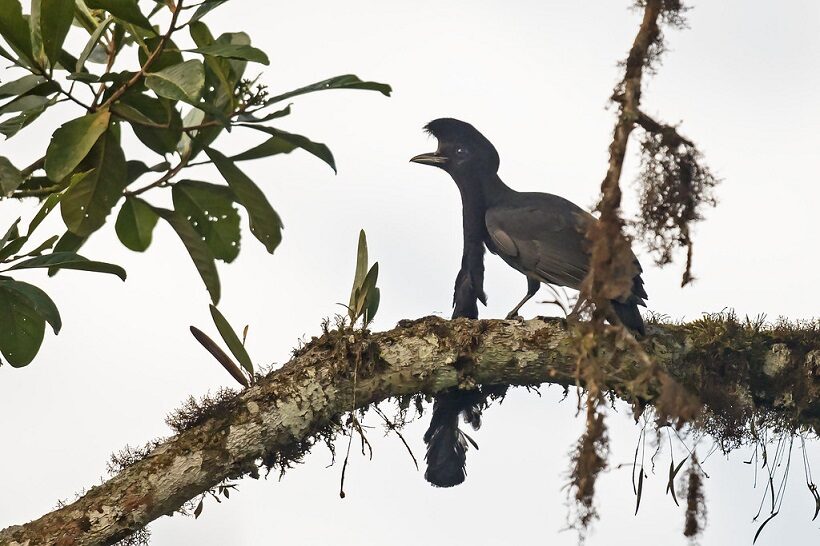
<point>532,287</point>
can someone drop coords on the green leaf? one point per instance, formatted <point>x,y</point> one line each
<point>135,224</point>
<point>204,8</point>
<point>69,260</point>
<point>23,327</point>
<point>10,177</point>
<point>169,56</point>
<point>249,118</point>
<point>24,103</point>
<point>265,223</point>
<point>45,245</point>
<point>93,193</point>
<point>91,44</point>
<point>348,81</point>
<point>72,142</point>
<point>12,126</point>
<point>48,205</point>
<point>11,233</point>
<point>210,210</point>
<point>368,286</point>
<point>23,85</point>
<point>68,243</point>
<point>284,143</point>
<point>371,305</point>
<point>54,22</point>
<point>200,253</point>
<point>15,29</point>
<point>39,301</point>
<point>234,51</point>
<point>178,82</point>
<point>361,268</point>
<point>145,109</point>
<point>229,365</point>
<point>231,339</point>
<point>127,10</point>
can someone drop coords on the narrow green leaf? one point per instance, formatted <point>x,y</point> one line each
<point>234,51</point>
<point>178,82</point>
<point>54,22</point>
<point>209,208</point>
<point>42,247</point>
<point>23,328</point>
<point>68,242</point>
<point>368,286</point>
<point>249,118</point>
<point>18,87</point>
<point>92,42</point>
<point>220,356</point>
<point>38,300</point>
<point>372,305</point>
<point>48,205</point>
<point>361,267</point>
<point>72,142</point>
<point>231,340</point>
<point>348,81</point>
<point>10,177</point>
<point>283,143</point>
<point>127,10</point>
<point>94,192</point>
<point>69,260</point>
<point>204,8</point>
<point>264,222</point>
<point>12,126</point>
<point>23,104</point>
<point>15,29</point>
<point>135,224</point>
<point>640,491</point>
<point>200,253</point>
<point>11,233</point>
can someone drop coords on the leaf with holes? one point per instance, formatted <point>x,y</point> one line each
<point>23,327</point>
<point>209,208</point>
<point>91,196</point>
<point>200,253</point>
<point>348,81</point>
<point>265,223</point>
<point>39,301</point>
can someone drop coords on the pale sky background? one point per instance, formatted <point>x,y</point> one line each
<point>533,76</point>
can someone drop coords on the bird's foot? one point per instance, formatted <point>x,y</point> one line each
<point>514,316</point>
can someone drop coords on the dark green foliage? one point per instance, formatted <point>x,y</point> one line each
<point>176,102</point>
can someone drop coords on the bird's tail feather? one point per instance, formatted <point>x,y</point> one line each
<point>446,444</point>
<point>629,315</point>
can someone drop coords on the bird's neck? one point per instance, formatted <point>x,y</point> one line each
<point>493,190</point>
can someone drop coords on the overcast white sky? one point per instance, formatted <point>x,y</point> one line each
<point>534,77</point>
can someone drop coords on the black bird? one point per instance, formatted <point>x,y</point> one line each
<point>539,234</point>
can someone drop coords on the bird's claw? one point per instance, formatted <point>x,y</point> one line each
<point>514,316</point>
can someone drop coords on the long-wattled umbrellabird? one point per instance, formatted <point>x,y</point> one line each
<point>539,234</point>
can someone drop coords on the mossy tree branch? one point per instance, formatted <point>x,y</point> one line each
<point>774,371</point>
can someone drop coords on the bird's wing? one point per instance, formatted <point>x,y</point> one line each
<point>543,236</point>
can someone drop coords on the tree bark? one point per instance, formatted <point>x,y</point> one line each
<point>775,371</point>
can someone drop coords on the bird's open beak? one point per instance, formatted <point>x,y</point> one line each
<point>434,158</point>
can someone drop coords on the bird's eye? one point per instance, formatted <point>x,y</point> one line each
<point>461,151</point>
